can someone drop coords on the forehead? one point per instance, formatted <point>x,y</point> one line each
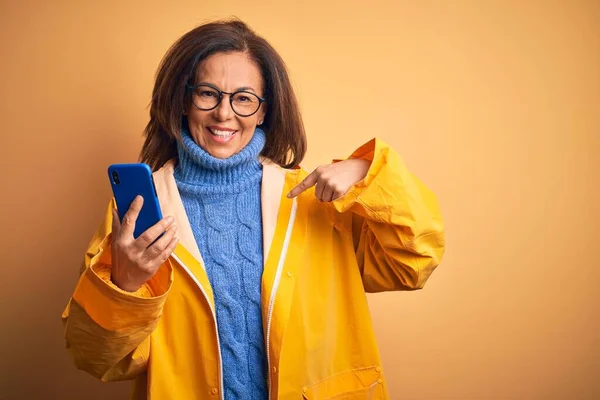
<point>230,71</point>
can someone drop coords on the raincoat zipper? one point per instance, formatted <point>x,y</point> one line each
<point>214,315</point>
<point>284,250</point>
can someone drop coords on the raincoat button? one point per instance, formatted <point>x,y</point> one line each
<point>378,369</point>
<point>380,381</point>
<point>305,389</point>
<point>214,391</point>
<point>289,274</point>
<point>274,370</point>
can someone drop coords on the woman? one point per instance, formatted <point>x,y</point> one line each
<point>257,288</point>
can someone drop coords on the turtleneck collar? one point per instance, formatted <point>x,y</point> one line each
<point>200,172</point>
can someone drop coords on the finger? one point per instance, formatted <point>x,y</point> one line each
<point>327,194</point>
<point>319,190</point>
<point>337,193</point>
<point>131,216</point>
<point>169,250</point>
<point>161,244</point>
<point>150,235</point>
<point>308,182</point>
<point>166,253</point>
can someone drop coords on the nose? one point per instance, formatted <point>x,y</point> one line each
<point>224,112</point>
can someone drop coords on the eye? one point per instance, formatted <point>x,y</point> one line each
<point>206,93</point>
<point>244,98</point>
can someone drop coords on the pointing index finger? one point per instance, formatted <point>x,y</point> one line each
<point>308,182</point>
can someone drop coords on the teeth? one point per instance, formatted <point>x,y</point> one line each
<point>221,133</point>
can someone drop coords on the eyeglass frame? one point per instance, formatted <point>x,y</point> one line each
<point>221,93</point>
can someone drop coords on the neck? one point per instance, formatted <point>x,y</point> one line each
<point>201,171</point>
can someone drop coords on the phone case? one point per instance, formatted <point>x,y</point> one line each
<point>128,181</point>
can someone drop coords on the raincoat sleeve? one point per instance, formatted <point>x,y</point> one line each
<point>106,329</point>
<point>397,226</point>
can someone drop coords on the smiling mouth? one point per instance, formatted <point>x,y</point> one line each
<point>221,134</point>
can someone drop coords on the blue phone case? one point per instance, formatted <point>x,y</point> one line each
<point>128,181</point>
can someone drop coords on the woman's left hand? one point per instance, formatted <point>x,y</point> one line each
<point>333,180</point>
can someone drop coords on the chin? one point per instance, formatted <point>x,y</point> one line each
<point>221,153</point>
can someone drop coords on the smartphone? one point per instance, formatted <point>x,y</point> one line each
<point>127,182</point>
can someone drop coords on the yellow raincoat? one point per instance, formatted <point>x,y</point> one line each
<point>385,234</point>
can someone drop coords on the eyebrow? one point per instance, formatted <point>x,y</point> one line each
<point>236,90</point>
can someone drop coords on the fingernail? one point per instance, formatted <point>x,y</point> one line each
<point>289,195</point>
<point>170,220</point>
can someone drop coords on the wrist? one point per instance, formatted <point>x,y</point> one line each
<point>125,286</point>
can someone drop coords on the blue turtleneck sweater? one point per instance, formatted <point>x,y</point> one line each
<point>222,201</point>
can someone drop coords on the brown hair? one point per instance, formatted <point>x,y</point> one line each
<point>285,137</point>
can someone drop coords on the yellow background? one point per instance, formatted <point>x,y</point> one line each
<point>494,104</point>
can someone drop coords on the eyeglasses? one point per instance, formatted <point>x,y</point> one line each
<point>207,97</point>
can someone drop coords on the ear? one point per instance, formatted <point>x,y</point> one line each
<point>263,113</point>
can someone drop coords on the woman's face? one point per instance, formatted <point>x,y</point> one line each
<point>221,132</point>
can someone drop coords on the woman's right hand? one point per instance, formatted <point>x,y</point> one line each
<point>134,261</point>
